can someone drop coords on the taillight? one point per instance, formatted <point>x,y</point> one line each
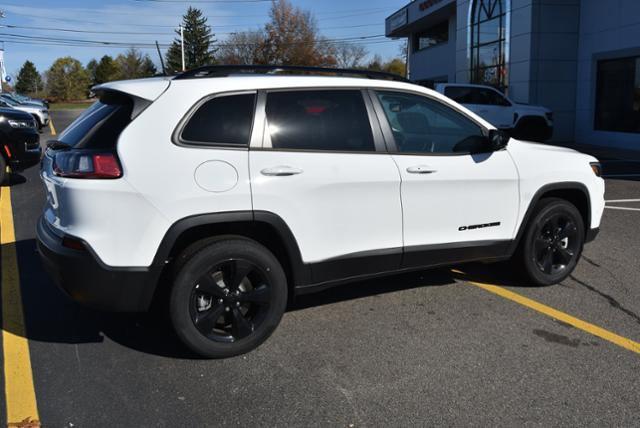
<point>79,164</point>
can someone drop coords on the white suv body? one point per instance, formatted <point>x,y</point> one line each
<point>524,121</point>
<point>339,178</point>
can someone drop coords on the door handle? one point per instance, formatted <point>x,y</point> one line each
<point>421,169</point>
<point>281,171</point>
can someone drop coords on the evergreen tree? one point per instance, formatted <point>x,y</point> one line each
<point>28,80</point>
<point>106,70</point>
<point>198,41</point>
<point>133,65</point>
<point>91,70</point>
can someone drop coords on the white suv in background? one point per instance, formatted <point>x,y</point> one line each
<point>523,121</point>
<point>226,191</point>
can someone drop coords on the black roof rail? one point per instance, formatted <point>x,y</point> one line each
<point>227,70</point>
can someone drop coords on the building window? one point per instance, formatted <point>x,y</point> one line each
<point>618,95</point>
<point>433,36</point>
<point>488,42</point>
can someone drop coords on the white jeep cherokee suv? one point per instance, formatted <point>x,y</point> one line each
<point>229,190</point>
<point>524,121</point>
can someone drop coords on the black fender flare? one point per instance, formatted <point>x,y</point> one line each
<point>301,272</point>
<point>565,185</point>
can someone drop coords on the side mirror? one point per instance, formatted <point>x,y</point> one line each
<point>498,139</point>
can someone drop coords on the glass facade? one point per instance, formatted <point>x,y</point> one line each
<point>618,95</point>
<point>488,42</point>
<point>433,36</point>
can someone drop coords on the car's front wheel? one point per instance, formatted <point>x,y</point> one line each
<point>228,298</point>
<point>553,242</point>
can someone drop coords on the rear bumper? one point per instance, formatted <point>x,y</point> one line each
<point>82,276</point>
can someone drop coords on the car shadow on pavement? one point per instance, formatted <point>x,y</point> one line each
<point>373,287</point>
<point>14,179</point>
<point>52,317</point>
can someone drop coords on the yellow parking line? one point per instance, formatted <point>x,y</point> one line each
<point>51,127</point>
<point>561,316</point>
<point>20,396</point>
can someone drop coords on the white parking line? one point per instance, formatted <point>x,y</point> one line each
<point>622,201</point>
<point>623,208</point>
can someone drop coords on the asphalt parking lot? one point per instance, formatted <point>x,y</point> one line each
<point>469,346</point>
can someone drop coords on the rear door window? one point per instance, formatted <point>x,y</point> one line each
<point>328,120</point>
<point>224,120</point>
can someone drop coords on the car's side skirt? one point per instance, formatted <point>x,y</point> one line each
<point>371,264</point>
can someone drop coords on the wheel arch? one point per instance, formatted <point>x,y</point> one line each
<point>574,192</point>
<point>263,227</point>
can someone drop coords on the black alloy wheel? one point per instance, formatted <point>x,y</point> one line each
<point>556,244</point>
<point>553,242</point>
<point>230,301</point>
<point>228,296</point>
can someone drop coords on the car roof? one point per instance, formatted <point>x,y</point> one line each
<point>466,85</point>
<point>152,88</point>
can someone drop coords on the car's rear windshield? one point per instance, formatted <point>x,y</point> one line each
<point>100,125</point>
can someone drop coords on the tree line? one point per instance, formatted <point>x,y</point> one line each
<point>290,36</point>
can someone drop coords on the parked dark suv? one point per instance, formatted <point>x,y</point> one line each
<point>20,141</point>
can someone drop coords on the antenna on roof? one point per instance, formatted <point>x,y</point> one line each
<point>164,72</point>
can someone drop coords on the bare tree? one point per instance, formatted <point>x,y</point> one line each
<point>292,38</point>
<point>241,48</point>
<point>349,55</point>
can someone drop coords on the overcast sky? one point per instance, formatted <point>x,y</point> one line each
<point>145,21</point>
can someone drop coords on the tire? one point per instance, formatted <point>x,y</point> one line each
<point>3,170</point>
<point>227,298</point>
<point>552,243</point>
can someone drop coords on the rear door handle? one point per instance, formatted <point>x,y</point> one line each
<point>281,171</point>
<point>421,169</point>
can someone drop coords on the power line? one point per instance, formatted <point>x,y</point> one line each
<point>73,30</point>
<point>82,21</point>
<point>164,15</point>
<point>115,43</point>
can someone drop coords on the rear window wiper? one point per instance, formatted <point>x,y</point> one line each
<point>58,145</point>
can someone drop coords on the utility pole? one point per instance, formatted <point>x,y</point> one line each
<point>182,45</point>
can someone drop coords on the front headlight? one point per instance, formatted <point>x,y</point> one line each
<point>596,168</point>
<point>22,123</point>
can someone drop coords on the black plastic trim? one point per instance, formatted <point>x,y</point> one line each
<point>591,235</point>
<point>82,276</point>
<point>301,272</point>
<point>382,263</point>
<point>565,185</point>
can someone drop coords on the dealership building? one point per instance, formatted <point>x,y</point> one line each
<point>580,58</point>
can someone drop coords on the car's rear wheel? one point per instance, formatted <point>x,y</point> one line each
<point>553,242</point>
<point>228,298</point>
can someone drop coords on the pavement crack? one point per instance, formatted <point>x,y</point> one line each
<point>588,260</point>
<point>611,274</point>
<point>610,299</point>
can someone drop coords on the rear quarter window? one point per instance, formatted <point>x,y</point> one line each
<point>223,120</point>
